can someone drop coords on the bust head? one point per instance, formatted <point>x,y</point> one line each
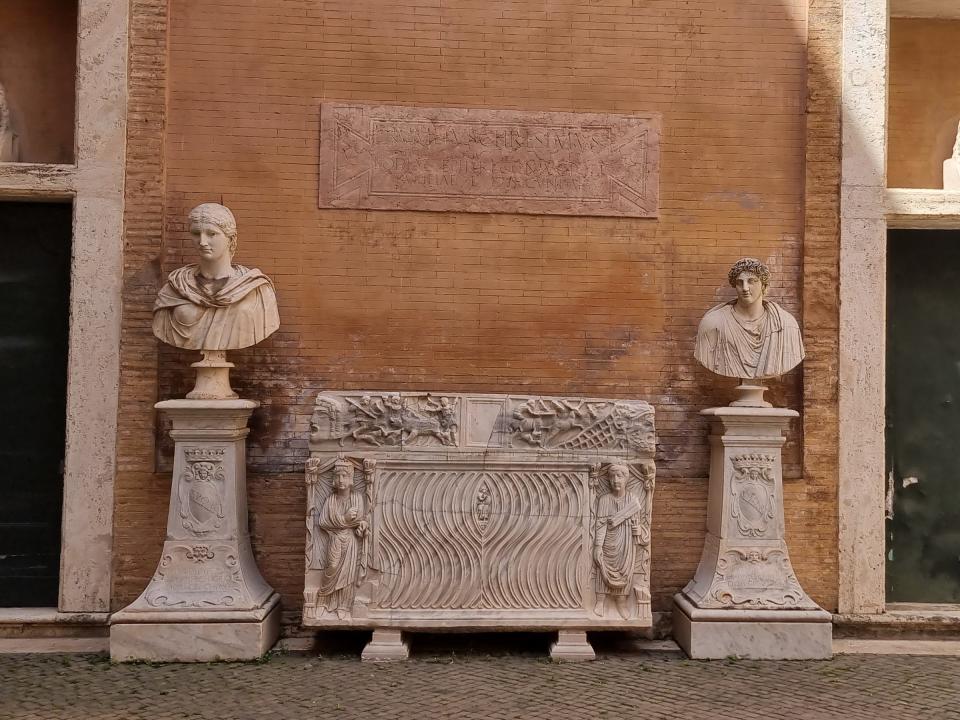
<point>214,230</point>
<point>617,476</point>
<point>749,277</point>
<point>342,476</point>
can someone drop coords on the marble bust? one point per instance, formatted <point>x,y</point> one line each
<point>750,338</point>
<point>213,305</point>
<point>951,167</point>
<point>9,141</point>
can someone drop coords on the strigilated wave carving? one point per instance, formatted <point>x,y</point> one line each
<point>533,544</point>
<point>521,549</point>
<point>428,547</point>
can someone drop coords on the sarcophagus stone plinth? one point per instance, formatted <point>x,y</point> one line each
<point>435,510</point>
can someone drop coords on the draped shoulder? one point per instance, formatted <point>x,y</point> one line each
<point>194,315</point>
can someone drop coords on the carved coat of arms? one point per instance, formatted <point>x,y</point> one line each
<point>200,491</point>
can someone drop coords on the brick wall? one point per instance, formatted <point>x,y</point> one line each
<point>140,493</point>
<point>924,100</point>
<point>484,302</point>
<point>811,505</point>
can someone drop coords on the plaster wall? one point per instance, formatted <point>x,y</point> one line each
<point>471,302</point>
<point>924,100</point>
<point>38,59</point>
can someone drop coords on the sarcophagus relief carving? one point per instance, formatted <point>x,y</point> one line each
<point>456,510</point>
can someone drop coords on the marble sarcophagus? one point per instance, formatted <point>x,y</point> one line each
<point>438,510</point>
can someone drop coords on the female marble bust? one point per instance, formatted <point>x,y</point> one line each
<point>749,338</point>
<point>215,305</point>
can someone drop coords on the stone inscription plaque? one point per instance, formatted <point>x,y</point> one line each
<point>388,157</point>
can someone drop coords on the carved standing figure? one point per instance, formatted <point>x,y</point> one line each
<point>951,167</point>
<point>618,529</point>
<point>750,338</point>
<point>214,305</point>
<point>341,545</point>
<point>9,140</point>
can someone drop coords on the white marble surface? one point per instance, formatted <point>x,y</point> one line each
<point>215,304</point>
<point>182,641</point>
<point>784,636</point>
<point>571,647</point>
<point>750,337</point>
<point>951,174</point>
<point>386,646</point>
<point>745,599</point>
<point>207,578</point>
<point>745,562</point>
<point>461,511</point>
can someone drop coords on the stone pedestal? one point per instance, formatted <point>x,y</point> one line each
<point>386,646</point>
<point>744,599</point>
<point>207,600</point>
<point>571,646</point>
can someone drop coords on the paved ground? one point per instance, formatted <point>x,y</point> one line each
<point>461,679</point>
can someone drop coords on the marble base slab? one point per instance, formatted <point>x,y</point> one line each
<point>572,647</point>
<point>752,634</point>
<point>194,640</point>
<point>386,646</point>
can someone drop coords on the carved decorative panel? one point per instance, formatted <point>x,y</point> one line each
<point>756,578</point>
<point>752,485</point>
<point>441,510</point>
<point>201,487</point>
<point>390,157</point>
<point>196,576</point>
<point>532,518</point>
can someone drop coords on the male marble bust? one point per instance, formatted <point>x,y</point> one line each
<point>749,338</point>
<point>215,305</point>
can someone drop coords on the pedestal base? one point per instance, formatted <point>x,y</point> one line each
<point>750,394</point>
<point>194,636</point>
<point>572,647</point>
<point>213,377</point>
<point>752,634</point>
<point>207,599</point>
<point>386,646</point>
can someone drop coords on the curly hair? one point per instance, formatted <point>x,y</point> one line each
<point>218,215</point>
<point>750,265</point>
